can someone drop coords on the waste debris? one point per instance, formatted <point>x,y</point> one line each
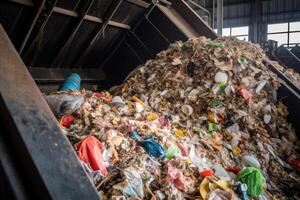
<point>199,121</point>
<point>290,73</point>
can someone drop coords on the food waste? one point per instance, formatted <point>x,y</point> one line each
<point>199,121</point>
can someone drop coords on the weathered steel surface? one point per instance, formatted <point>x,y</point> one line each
<point>296,51</point>
<point>47,158</point>
<point>49,75</point>
<point>288,58</point>
<point>193,19</point>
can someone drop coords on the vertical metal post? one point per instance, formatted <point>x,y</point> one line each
<point>219,17</point>
<point>257,33</point>
<point>213,14</point>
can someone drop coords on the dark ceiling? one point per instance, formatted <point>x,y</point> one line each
<point>64,33</point>
<point>102,40</point>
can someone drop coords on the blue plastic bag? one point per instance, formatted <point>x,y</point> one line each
<point>150,145</point>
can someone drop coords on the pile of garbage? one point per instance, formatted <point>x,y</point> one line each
<point>290,73</point>
<point>200,121</point>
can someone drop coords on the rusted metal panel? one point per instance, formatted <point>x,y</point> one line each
<point>48,160</point>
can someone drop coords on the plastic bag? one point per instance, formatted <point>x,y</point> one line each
<point>67,120</point>
<point>176,177</point>
<point>254,180</point>
<point>173,151</point>
<point>89,151</point>
<point>63,104</point>
<point>150,145</point>
<point>135,183</point>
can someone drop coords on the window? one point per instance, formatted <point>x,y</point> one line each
<point>287,34</point>
<point>241,32</point>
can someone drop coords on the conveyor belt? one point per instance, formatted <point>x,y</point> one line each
<point>272,53</point>
<point>287,58</point>
<point>296,51</point>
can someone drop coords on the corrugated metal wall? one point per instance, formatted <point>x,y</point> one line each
<point>239,13</point>
<point>276,11</point>
<point>243,13</point>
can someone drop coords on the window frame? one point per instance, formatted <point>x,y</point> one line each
<point>288,44</point>
<point>230,32</point>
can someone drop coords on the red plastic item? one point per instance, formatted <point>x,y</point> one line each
<point>67,120</point>
<point>245,94</point>
<point>89,151</point>
<point>103,96</point>
<point>234,169</point>
<point>295,164</point>
<point>206,173</point>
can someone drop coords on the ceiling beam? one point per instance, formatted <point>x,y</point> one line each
<point>67,43</point>
<point>72,13</point>
<point>54,75</point>
<point>41,20</point>
<point>108,16</point>
<point>39,7</point>
<point>139,3</point>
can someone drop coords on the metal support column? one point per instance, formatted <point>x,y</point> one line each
<point>213,15</point>
<point>256,33</point>
<point>219,17</point>
<point>46,162</point>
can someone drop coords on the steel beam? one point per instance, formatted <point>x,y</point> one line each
<point>14,185</point>
<point>47,160</point>
<point>23,2</point>
<point>67,43</point>
<point>90,18</point>
<point>108,16</point>
<point>40,6</point>
<point>38,27</point>
<point>51,75</point>
<point>219,17</point>
<point>139,3</point>
<point>296,51</point>
<point>72,13</point>
<point>256,32</point>
<point>193,19</point>
<point>287,58</point>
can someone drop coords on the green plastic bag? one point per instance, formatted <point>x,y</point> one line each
<point>216,44</point>
<point>241,59</point>
<point>216,102</point>
<point>212,127</point>
<point>172,151</point>
<point>254,180</point>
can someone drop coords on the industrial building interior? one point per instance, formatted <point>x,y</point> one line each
<point>103,48</point>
